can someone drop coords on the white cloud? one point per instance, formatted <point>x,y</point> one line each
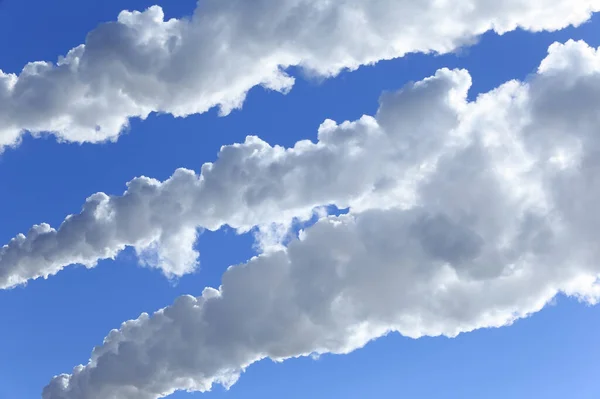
<point>380,162</point>
<point>461,218</point>
<point>142,63</point>
<point>251,184</point>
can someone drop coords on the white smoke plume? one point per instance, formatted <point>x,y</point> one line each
<point>142,63</point>
<point>463,215</point>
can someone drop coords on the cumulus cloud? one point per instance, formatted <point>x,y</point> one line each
<point>142,63</point>
<point>467,215</point>
<point>378,162</point>
<point>251,184</point>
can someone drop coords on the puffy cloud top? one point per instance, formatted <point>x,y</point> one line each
<point>463,215</point>
<point>373,163</point>
<point>141,63</point>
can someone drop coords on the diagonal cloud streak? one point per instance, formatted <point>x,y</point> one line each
<point>487,212</point>
<point>142,63</point>
<point>376,162</point>
<point>251,184</point>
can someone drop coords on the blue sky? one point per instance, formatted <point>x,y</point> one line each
<point>48,326</point>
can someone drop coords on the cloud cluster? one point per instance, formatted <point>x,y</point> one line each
<point>463,215</point>
<point>142,63</point>
<point>373,163</point>
<point>354,164</point>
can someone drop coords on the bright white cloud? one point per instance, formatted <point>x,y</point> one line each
<point>142,63</point>
<point>463,215</point>
<point>251,184</point>
<point>376,162</point>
